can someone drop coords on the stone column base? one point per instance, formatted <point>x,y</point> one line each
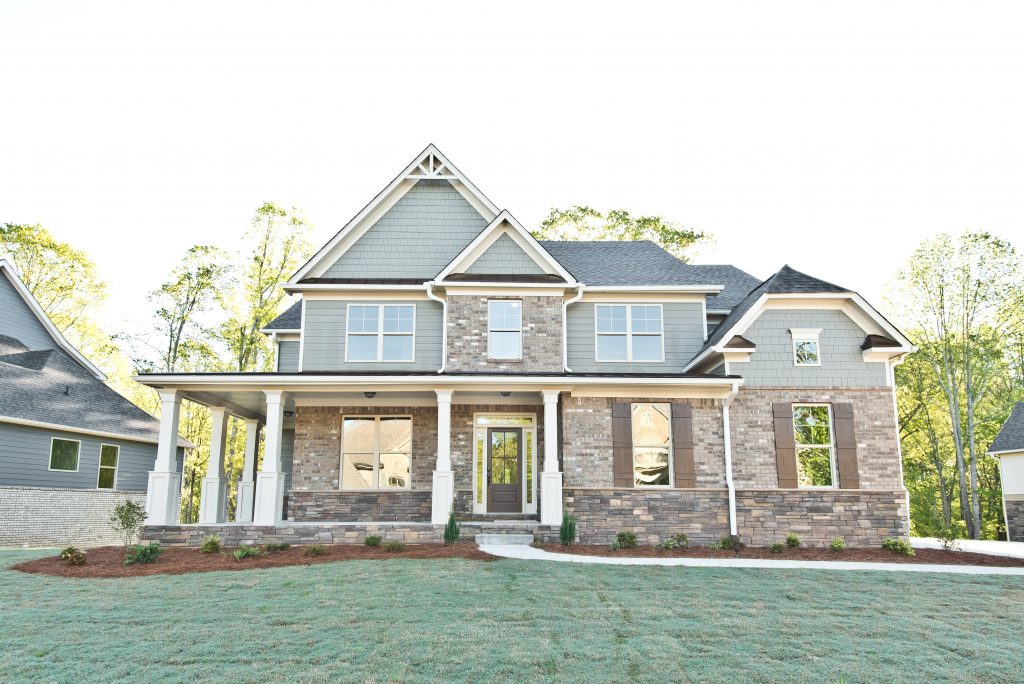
<point>443,496</point>
<point>269,499</point>
<point>551,499</point>
<point>163,498</point>
<point>244,499</point>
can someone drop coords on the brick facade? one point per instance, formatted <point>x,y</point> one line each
<point>37,516</point>
<point>703,515</point>
<point>467,335</point>
<point>1014,519</point>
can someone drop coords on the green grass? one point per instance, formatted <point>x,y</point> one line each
<point>516,621</point>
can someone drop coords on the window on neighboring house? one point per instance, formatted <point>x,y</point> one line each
<point>815,453</point>
<point>109,454</point>
<point>652,445</point>
<point>64,454</point>
<point>380,332</point>
<point>505,329</point>
<point>376,452</point>
<point>629,332</point>
<point>806,350</point>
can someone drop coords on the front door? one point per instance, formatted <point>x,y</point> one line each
<point>504,470</point>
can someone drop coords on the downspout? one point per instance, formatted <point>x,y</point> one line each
<point>429,285</point>
<point>727,439</point>
<point>565,325</point>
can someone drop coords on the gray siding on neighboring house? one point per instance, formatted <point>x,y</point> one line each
<point>323,337</point>
<point>288,356</point>
<point>415,238</point>
<point>287,452</point>
<point>842,361</point>
<point>683,328</point>
<point>18,321</point>
<point>505,256</point>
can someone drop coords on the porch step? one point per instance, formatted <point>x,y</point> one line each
<point>518,539</point>
<point>499,517</point>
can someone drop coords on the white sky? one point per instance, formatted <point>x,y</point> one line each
<point>830,137</point>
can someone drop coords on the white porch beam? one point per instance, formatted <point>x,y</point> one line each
<point>270,480</point>
<point>443,494</point>
<point>163,493</point>
<point>246,492</point>
<point>550,477</point>
<point>214,496</point>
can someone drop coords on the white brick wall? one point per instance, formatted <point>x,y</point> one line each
<point>37,516</point>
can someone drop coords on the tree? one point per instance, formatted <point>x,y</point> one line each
<point>584,223</point>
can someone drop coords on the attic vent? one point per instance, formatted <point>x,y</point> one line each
<point>431,167</point>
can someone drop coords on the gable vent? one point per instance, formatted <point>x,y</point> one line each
<point>431,167</point>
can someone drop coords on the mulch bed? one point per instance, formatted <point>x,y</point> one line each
<point>108,561</point>
<point>933,556</point>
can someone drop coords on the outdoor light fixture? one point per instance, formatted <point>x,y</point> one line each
<point>369,395</point>
<point>289,414</point>
<point>506,394</point>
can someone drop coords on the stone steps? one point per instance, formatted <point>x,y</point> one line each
<point>505,539</point>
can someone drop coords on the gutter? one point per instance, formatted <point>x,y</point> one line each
<point>727,439</point>
<point>429,286</point>
<point>565,325</point>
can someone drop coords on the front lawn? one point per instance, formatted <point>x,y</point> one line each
<point>518,621</point>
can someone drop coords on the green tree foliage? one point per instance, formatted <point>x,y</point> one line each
<point>585,223</point>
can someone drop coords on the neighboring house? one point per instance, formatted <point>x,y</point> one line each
<point>71,448</point>
<point>440,358</point>
<point>1008,447</point>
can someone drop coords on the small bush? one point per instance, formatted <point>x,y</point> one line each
<point>777,547</point>
<point>72,556</point>
<point>451,529</point>
<point>728,543</point>
<point>211,544</point>
<point>681,540</point>
<point>315,550</point>
<point>143,554</point>
<point>394,547</point>
<point>949,537</point>
<point>838,544</point>
<point>275,547</point>
<point>625,540</point>
<point>898,546</point>
<point>246,552</point>
<point>713,545</point>
<point>792,541</point>
<point>372,540</point>
<point>667,544</point>
<point>127,520</point>
<point>567,533</point>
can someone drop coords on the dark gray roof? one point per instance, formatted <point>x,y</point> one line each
<point>642,262</point>
<point>291,319</point>
<point>1011,435</point>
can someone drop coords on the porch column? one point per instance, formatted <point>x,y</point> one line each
<point>443,495</point>
<point>163,493</point>
<point>270,480</point>
<point>246,491</point>
<point>214,496</point>
<point>550,477</point>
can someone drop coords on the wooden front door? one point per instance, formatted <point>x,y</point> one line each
<point>504,470</point>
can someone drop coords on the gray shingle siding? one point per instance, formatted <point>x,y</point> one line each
<point>17,319</point>
<point>683,336</point>
<point>323,338</point>
<point>842,363</point>
<point>505,256</point>
<point>416,238</point>
<point>288,356</point>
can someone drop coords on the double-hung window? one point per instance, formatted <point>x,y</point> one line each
<point>376,452</point>
<point>652,445</point>
<point>380,332</point>
<point>815,450</point>
<point>505,329</point>
<point>629,332</point>
<point>64,454</point>
<point>109,454</point>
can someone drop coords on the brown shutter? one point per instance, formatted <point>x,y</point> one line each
<point>846,446</point>
<point>785,445</point>
<point>622,445</point>
<point>682,446</point>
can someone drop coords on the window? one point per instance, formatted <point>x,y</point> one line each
<point>628,332</point>
<point>376,452</point>
<point>815,455</point>
<point>380,332</point>
<point>652,446</point>
<point>505,329</point>
<point>64,454</point>
<point>108,466</point>
<point>806,351</point>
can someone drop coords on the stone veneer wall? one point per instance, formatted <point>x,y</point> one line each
<point>1014,519</point>
<point>372,506</point>
<point>38,516</point>
<point>467,334</point>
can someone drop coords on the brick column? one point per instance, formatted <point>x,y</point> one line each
<point>444,479</point>
<point>163,494</point>
<point>550,477</point>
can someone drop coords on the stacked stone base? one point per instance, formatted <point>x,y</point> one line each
<point>40,516</point>
<point>399,506</point>
<point>1014,519</point>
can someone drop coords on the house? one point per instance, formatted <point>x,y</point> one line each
<point>71,448</point>
<point>1008,447</point>
<point>440,358</point>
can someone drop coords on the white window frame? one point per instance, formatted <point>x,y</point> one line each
<point>831,447</point>
<point>380,334</point>
<point>671,452</point>
<point>629,332</point>
<point>376,454</point>
<point>78,456</point>
<point>806,335</point>
<point>519,330</point>
<point>100,467</point>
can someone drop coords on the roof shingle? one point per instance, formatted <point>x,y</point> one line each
<point>1011,435</point>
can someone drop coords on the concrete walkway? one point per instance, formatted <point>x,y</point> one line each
<point>531,553</point>
<point>992,548</point>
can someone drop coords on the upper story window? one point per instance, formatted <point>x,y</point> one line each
<point>109,455</point>
<point>806,349</point>
<point>380,332</point>
<point>376,452</point>
<point>64,454</point>
<point>815,451</point>
<point>652,445</point>
<point>505,329</point>
<point>629,332</point>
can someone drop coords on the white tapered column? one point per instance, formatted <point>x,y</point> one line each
<point>214,496</point>
<point>246,492</point>
<point>269,508</point>
<point>550,477</point>
<point>443,495</point>
<point>163,493</point>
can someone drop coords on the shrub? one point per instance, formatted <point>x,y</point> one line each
<point>274,547</point>
<point>625,540</point>
<point>681,540</point>
<point>728,543</point>
<point>211,544</point>
<point>949,537</point>
<point>72,556</point>
<point>246,552</point>
<point>127,520</point>
<point>667,544</point>
<point>315,550</point>
<point>838,544</point>
<point>792,541</point>
<point>143,554</point>
<point>451,529</point>
<point>713,545</point>
<point>394,546</point>
<point>898,546</point>
<point>372,540</point>
<point>567,533</point>
<point>777,547</point>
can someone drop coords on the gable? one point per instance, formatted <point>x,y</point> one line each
<point>18,321</point>
<point>504,256</point>
<point>417,237</point>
